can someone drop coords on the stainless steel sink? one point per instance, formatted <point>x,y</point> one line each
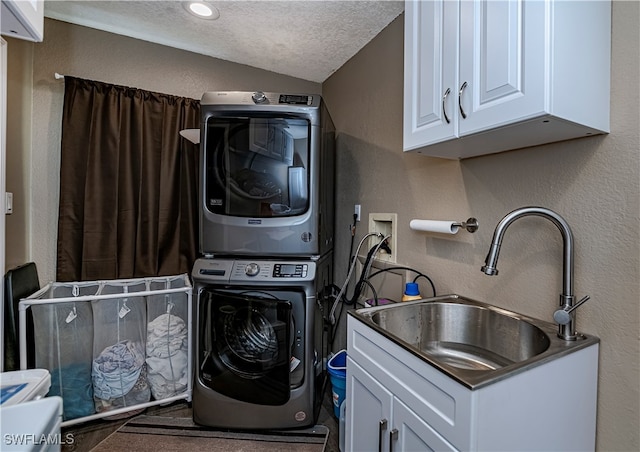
<point>473,342</point>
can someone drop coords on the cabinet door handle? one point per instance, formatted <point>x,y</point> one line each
<point>393,435</point>
<point>444,108</point>
<point>464,115</point>
<point>381,426</point>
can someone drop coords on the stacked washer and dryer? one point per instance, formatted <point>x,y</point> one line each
<point>266,237</point>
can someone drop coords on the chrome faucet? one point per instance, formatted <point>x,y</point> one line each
<point>565,316</point>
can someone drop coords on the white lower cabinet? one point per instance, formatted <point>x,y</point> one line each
<point>398,427</point>
<point>371,410</point>
<point>397,402</point>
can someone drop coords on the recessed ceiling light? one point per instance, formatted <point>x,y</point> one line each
<point>203,10</point>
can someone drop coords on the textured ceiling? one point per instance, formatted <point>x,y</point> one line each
<point>308,39</point>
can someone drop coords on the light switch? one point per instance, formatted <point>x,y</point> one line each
<point>8,203</point>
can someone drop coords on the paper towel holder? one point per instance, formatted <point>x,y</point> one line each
<point>444,227</point>
<point>471,225</point>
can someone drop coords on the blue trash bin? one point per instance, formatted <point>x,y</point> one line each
<point>337,367</point>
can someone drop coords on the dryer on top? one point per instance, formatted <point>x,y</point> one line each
<point>267,175</point>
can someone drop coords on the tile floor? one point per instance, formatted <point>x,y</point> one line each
<point>88,435</point>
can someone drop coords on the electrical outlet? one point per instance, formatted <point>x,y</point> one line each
<point>356,212</point>
<point>386,224</point>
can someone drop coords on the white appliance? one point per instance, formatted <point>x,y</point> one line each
<point>29,421</point>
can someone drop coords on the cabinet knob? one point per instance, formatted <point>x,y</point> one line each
<point>464,115</point>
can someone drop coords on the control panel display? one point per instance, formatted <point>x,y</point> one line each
<point>295,100</point>
<point>290,270</point>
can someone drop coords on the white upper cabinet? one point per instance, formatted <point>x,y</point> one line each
<point>23,19</point>
<point>485,76</point>
<point>430,72</point>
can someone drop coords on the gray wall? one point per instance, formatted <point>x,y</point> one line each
<point>592,182</point>
<point>18,149</point>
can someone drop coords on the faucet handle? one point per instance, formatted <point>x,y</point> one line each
<point>562,317</point>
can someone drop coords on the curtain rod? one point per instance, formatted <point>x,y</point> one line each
<point>58,76</point>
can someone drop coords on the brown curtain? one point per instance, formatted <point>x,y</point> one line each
<point>128,183</point>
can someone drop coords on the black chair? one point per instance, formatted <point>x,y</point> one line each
<point>19,282</point>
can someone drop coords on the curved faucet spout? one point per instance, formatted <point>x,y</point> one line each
<point>566,297</point>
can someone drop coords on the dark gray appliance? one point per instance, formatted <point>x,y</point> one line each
<point>260,345</point>
<point>267,180</point>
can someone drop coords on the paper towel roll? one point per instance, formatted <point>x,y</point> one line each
<point>442,227</point>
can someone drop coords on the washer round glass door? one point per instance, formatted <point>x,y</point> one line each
<point>246,340</point>
<point>250,345</point>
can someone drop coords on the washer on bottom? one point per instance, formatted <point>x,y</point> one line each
<point>260,345</point>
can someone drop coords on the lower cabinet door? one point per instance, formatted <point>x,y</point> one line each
<point>368,411</point>
<point>410,433</point>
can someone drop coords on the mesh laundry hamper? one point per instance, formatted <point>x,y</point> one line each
<point>92,337</point>
<point>63,345</point>
<point>118,369</point>
<point>167,347</point>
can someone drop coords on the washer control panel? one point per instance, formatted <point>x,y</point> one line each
<point>253,270</point>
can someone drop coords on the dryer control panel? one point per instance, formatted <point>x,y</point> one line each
<point>230,270</point>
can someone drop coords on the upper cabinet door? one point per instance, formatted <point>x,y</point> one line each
<point>23,19</point>
<point>502,63</point>
<point>485,76</point>
<point>431,72</point>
